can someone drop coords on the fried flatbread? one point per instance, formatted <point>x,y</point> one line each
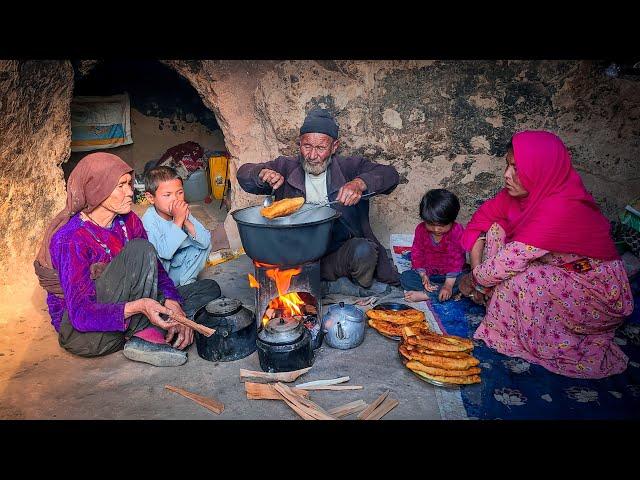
<point>444,362</point>
<point>417,366</point>
<point>401,317</point>
<point>441,353</point>
<point>456,380</point>
<point>282,208</point>
<point>441,343</point>
<point>394,329</point>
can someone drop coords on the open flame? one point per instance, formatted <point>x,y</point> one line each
<point>287,304</point>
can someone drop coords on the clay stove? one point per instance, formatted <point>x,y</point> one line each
<point>288,312</point>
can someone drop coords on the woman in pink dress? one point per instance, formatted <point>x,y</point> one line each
<point>546,267</point>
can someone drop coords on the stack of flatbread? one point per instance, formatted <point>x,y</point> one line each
<point>391,322</point>
<point>443,358</point>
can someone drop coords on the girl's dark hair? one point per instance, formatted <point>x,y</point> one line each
<point>439,206</point>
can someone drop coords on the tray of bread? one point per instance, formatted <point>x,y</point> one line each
<point>442,360</point>
<point>389,318</point>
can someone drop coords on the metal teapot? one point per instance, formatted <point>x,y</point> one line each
<point>343,326</point>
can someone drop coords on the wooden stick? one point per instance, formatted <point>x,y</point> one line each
<point>373,406</point>
<point>206,331</point>
<point>302,406</point>
<point>278,377</point>
<point>333,387</point>
<point>323,382</point>
<point>348,409</point>
<point>209,403</point>
<point>265,391</point>
<point>386,406</point>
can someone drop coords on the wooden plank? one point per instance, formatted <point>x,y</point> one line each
<point>347,409</point>
<point>332,381</point>
<point>265,391</point>
<point>276,377</point>
<point>333,387</point>
<point>302,406</point>
<point>206,331</point>
<point>209,403</point>
<point>384,408</point>
<point>373,406</point>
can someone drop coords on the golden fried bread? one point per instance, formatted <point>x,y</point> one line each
<point>441,343</point>
<point>401,317</point>
<point>444,362</point>
<point>282,208</point>
<point>417,366</point>
<point>441,353</point>
<point>389,328</point>
<point>457,380</point>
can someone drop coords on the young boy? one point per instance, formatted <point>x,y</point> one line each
<point>182,243</point>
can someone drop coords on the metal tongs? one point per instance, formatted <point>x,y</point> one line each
<point>327,204</point>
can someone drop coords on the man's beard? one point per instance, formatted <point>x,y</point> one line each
<point>315,169</point>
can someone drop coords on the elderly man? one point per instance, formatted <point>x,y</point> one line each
<point>319,176</point>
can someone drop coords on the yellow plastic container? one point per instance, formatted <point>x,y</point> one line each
<point>218,175</point>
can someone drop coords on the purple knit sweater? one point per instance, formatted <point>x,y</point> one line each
<point>73,251</point>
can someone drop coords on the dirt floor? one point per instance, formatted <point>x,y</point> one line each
<point>40,380</point>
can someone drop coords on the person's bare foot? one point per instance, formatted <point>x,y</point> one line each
<point>413,296</point>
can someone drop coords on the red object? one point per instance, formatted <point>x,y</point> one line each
<point>558,214</point>
<point>438,259</point>
<point>207,199</point>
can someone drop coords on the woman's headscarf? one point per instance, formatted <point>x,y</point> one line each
<point>558,214</point>
<point>91,182</point>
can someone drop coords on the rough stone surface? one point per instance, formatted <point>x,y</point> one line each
<point>441,123</point>
<point>35,138</point>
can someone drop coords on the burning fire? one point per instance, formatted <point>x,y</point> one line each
<point>286,303</point>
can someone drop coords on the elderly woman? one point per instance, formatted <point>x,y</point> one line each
<point>555,285</point>
<point>107,290</point>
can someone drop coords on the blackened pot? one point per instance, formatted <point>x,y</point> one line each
<point>285,357</point>
<point>235,335</point>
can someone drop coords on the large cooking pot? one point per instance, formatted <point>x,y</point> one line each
<point>288,241</point>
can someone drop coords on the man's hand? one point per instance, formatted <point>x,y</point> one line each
<point>273,178</point>
<point>351,192</point>
<point>182,333</point>
<point>179,211</point>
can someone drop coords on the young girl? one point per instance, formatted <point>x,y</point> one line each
<point>437,255</point>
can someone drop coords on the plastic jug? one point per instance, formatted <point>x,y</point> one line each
<point>196,187</point>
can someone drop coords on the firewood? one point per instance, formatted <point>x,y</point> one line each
<point>333,387</point>
<point>265,391</point>
<point>206,331</point>
<point>373,406</point>
<point>209,403</point>
<point>276,377</point>
<point>347,409</point>
<point>302,406</point>
<point>333,381</point>
<point>384,408</point>
<point>310,310</point>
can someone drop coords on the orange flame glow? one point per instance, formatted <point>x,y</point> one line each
<point>253,283</point>
<point>286,303</point>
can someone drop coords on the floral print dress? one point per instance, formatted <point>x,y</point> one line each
<point>546,314</point>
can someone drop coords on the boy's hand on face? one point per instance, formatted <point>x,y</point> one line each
<point>180,212</point>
